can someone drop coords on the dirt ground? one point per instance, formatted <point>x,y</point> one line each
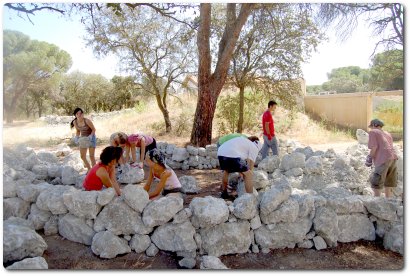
<point>362,255</point>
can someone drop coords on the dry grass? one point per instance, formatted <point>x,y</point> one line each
<point>148,119</point>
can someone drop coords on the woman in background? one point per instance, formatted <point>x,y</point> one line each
<point>85,136</point>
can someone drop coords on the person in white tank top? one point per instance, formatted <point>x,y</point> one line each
<point>168,180</point>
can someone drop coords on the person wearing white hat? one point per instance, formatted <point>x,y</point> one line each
<point>238,155</point>
<point>383,156</point>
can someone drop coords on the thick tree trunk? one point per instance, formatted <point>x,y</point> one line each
<point>241,106</point>
<point>210,85</point>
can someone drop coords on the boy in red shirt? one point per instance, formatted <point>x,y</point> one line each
<point>269,139</point>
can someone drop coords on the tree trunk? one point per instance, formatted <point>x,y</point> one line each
<point>165,113</point>
<point>210,85</point>
<point>241,106</point>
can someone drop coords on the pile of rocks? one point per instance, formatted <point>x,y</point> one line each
<point>303,199</point>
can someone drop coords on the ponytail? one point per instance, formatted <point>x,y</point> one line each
<point>75,112</point>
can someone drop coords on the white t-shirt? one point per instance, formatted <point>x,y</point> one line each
<point>240,147</point>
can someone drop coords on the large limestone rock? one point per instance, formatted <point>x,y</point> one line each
<point>140,243</point>
<point>107,245</point>
<point>162,210</point>
<point>293,160</point>
<point>30,192</point>
<point>314,165</point>
<point>394,239</point>
<point>51,199</point>
<point>38,217</point>
<point>130,175</point>
<point>382,208</point>
<point>226,238</point>
<point>175,237</point>
<point>287,211</point>
<point>75,229</point>
<point>326,225</point>
<point>355,227</point>
<point>269,164</point>
<point>347,205</point>
<point>69,175</point>
<point>82,204</point>
<point>245,206</point>
<point>15,207</point>
<point>208,211</point>
<point>136,197</point>
<point>189,184</point>
<point>118,218</point>
<point>20,242</point>
<point>282,235</point>
<point>29,264</point>
<point>180,154</point>
<point>278,193</point>
<point>260,179</point>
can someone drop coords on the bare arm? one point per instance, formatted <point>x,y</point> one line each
<point>127,153</point>
<point>107,181</point>
<point>91,125</point>
<point>161,184</point>
<point>251,163</point>
<point>149,181</point>
<point>142,152</point>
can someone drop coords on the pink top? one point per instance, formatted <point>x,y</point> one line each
<point>383,141</point>
<point>136,138</point>
<point>172,181</point>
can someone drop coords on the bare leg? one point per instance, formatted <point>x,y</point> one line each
<point>92,156</point>
<point>83,154</point>
<point>248,175</point>
<point>376,192</point>
<point>388,192</point>
<point>225,177</point>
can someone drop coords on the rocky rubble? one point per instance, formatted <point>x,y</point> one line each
<point>301,199</point>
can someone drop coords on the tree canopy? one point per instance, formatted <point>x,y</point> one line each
<point>27,63</point>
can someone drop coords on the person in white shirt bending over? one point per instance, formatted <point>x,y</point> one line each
<point>238,155</point>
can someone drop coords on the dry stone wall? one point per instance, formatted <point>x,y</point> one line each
<point>301,199</point>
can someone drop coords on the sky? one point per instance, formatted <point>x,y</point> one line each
<point>68,35</point>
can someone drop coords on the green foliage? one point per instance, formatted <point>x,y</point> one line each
<point>347,80</point>
<point>391,113</point>
<point>387,71</point>
<point>227,112</point>
<point>28,65</point>
<point>314,89</point>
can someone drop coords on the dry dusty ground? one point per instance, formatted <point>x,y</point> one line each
<point>362,255</point>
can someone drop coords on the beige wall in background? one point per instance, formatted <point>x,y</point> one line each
<point>352,110</point>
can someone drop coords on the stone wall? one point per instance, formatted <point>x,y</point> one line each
<point>301,199</point>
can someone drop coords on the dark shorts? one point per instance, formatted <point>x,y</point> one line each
<point>175,190</point>
<point>231,164</point>
<point>151,146</point>
<point>384,175</point>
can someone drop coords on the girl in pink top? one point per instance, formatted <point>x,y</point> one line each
<point>168,180</point>
<point>144,142</point>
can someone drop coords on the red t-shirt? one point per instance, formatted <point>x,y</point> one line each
<point>92,182</point>
<point>267,118</point>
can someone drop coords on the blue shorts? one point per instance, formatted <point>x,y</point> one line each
<point>93,141</point>
<point>232,164</point>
